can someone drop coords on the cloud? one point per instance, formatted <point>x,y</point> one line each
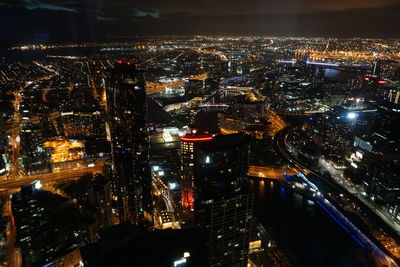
<point>248,7</point>
<point>101,18</point>
<point>153,8</point>
<point>50,7</point>
<point>36,4</point>
<point>141,13</point>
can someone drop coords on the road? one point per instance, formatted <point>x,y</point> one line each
<point>153,88</point>
<point>162,191</point>
<point>16,258</point>
<point>268,172</point>
<point>277,124</point>
<point>52,177</point>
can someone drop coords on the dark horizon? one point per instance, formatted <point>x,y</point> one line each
<point>58,22</point>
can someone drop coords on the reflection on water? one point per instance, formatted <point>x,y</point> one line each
<point>307,230</point>
<point>261,189</point>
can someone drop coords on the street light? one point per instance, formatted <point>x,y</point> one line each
<point>351,115</point>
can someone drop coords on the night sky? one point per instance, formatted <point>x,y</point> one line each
<point>91,20</point>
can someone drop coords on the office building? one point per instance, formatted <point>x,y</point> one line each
<point>214,170</point>
<point>127,113</point>
<point>48,226</point>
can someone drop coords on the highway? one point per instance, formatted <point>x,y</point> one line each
<point>52,177</point>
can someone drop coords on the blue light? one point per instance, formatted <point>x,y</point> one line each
<point>282,192</point>
<point>172,186</point>
<point>351,115</point>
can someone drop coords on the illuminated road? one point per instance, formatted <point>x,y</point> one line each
<point>17,258</point>
<point>52,177</point>
<point>15,139</point>
<point>162,191</point>
<point>277,124</point>
<point>153,58</point>
<point>178,56</point>
<point>213,52</point>
<point>346,55</point>
<point>268,172</point>
<point>159,87</point>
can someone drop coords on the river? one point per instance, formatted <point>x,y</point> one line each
<point>307,230</point>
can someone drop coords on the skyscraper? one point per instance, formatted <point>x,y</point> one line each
<point>214,172</point>
<point>127,113</point>
<point>48,226</point>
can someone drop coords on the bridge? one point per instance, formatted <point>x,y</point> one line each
<point>324,64</point>
<point>269,172</point>
<point>226,94</point>
<point>93,168</point>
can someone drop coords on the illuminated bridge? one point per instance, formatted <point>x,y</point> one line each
<point>324,64</point>
<point>95,167</point>
<point>269,173</point>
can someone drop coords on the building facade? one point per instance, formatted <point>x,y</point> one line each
<point>127,114</point>
<point>214,171</point>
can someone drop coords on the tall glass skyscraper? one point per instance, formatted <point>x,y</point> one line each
<point>214,196</point>
<point>127,113</point>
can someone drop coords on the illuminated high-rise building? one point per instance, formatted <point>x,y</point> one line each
<point>127,113</point>
<point>376,68</point>
<point>214,171</point>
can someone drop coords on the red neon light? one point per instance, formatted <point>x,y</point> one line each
<point>124,62</point>
<point>196,139</point>
<point>366,78</point>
